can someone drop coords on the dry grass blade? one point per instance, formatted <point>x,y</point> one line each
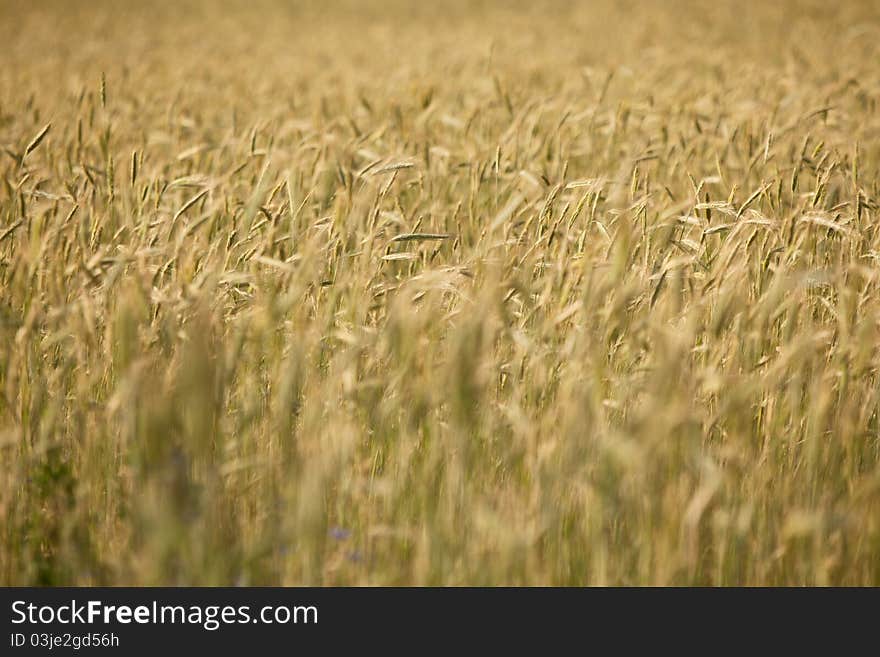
<point>396,166</point>
<point>186,206</point>
<point>420,237</point>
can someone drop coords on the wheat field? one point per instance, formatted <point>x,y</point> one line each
<point>476,293</point>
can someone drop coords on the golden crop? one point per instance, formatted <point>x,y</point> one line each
<point>470,293</point>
